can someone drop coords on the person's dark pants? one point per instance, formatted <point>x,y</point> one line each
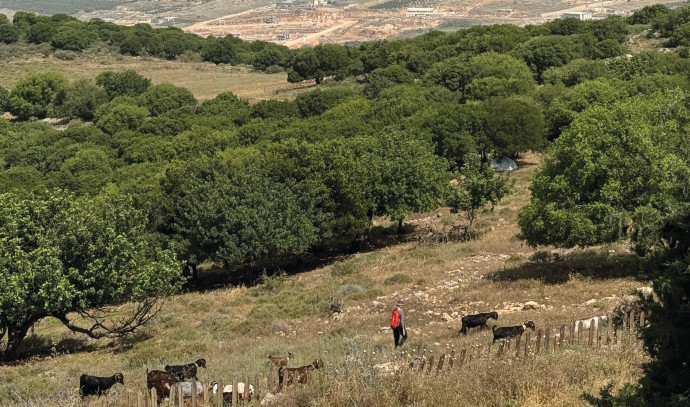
<point>398,335</point>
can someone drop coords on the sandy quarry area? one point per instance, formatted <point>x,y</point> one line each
<point>296,24</point>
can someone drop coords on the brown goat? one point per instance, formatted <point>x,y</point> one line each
<point>298,374</point>
<point>281,360</point>
<point>161,381</point>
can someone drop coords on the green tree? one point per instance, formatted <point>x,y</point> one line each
<point>72,38</point>
<point>74,258</point>
<point>123,83</point>
<point>165,97</point>
<point>34,95</point>
<point>541,53</point>
<point>80,99</point>
<point>646,14</point>
<point>86,173</point>
<point>514,125</point>
<point>41,32</point>
<point>628,163</point>
<point>275,109</point>
<point>383,78</point>
<point>4,99</point>
<point>222,50</point>
<point>318,101</point>
<point>477,185</point>
<point>565,108</point>
<point>120,114</point>
<point>9,34</point>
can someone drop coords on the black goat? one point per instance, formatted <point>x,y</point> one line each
<point>90,385</point>
<point>182,372</point>
<point>511,331</point>
<point>472,321</point>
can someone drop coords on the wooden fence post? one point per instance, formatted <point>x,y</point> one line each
<point>422,364</point>
<point>527,343</point>
<point>235,392</point>
<point>626,320</point>
<point>579,332</point>
<point>138,399</point>
<point>452,360</point>
<point>599,334</point>
<point>154,397</point>
<point>561,339</point>
<point>642,316</point>
<point>440,363</point>
<point>463,352</point>
<point>219,394</point>
<point>547,338</point>
<point>572,333</point>
<point>501,345</point>
<point>590,343</point>
<point>431,364</point>
<point>539,335</point>
<point>517,346</point>
<point>608,328</point>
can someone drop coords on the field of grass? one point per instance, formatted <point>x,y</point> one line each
<point>204,80</point>
<point>236,328</point>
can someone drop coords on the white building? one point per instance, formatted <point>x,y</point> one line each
<point>419,11</point>
<point>580,15</point>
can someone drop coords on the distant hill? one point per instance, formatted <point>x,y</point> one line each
<point>62,6</point>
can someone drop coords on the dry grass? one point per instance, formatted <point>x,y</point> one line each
<point>235,329</point>
<point>204,80</point>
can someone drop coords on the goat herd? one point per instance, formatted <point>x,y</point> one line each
<point>183,379</point>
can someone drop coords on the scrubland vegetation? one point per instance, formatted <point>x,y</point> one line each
<point>145,192</point>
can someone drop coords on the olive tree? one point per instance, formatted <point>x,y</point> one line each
<point>78,260</point>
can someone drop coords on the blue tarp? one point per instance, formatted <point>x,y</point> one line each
<point>501,164</point>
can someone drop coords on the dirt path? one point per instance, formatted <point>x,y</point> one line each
<point>313,39</point>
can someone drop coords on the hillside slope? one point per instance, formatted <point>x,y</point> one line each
<point>236,328</point>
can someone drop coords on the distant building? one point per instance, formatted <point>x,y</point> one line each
<point>271,20</point>
<point>283,37</point>
<point>419,11</point>
<point>580,15</point>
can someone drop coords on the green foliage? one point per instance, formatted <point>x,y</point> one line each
<point>275,109</point>
<point>627,397</point>
<point>120,114</point>
<point>9,34</point>
<point>647,14</point>
<point>476,186</point>
<point>318,101</point>
<point>123,83</point>
<point>4,99</point>
<point>383,78</point>
<point>398,279</point>
<point>72,38</point>
<point>324,60</point>
<point>80,99</point>
<point>34,95</point>
<point>565,108</point>
<point>541,53</point>
<point>41,32</point>
<point>514,124</point>
<point>61,255</point>
<point>165,97</point>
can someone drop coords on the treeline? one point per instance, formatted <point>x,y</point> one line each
<point>67,33</point>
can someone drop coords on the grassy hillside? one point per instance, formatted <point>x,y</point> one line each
<point>236,328</point>
<point>204,80</point>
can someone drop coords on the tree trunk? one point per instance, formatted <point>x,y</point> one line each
<point>194,271</point>
<point>226,265</point>
<point>15,336</point>
<point>400,226</point>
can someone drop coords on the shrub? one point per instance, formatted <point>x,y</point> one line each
<point>397,279</point>
<point>349,289</point>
